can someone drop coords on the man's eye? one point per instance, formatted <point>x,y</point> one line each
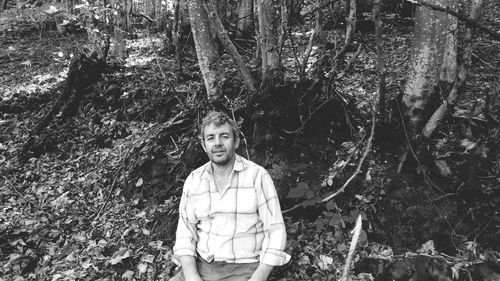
<point>210,138</point>
<point>225,136</point>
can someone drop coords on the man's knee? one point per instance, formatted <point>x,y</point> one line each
<point>178,277</point>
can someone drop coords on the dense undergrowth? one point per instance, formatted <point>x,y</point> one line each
<point>97,197</point>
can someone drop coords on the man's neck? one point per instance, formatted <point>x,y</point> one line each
<point>223,170</point>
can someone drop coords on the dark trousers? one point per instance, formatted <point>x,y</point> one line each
<point>221,271</point>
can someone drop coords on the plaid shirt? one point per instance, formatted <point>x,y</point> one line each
<point>243,224</point>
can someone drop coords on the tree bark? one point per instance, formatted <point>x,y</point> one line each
<point>349,33</point>
<point>426,59</point>
<point>206,49</point>
<point>459,83</point>
<point>380,59</point>
<point>226,41</point>
<point>314,33</point>
<point>245,19</point>
<point>175,35</point>
<point>268,29</point>
<point>3,6</point>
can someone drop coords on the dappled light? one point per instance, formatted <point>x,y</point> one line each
<point>377,121</point>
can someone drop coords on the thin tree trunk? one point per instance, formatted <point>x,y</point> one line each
<point>3,7</point>
<point>459,83</point>
<point>380,59</point>
<point>175,35</point>
<point>258,47</point>
<point>206,49</point>
<point>349,33</point>
<point>271,38</point>
<point>314,32</point>
<point>226,41</point>
<point>268,23</point>
<point>449,65</point>
<point>261,38</point>
<point>245,19</point>
<point>284,25</point>
<point>431,30</point>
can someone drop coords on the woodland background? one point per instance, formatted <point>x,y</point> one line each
<point>384,109</point>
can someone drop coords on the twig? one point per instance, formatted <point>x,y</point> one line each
<point>467,20</point>
<point>360,164</point>
<point>358,169</point>
<point>352,248</point>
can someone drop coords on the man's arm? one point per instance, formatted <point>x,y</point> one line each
<point>186,237</point>
<point>262,272</point>
<point>189,268</point>
<point>272,252</point>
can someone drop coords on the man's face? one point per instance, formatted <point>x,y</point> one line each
<point>219,143</point>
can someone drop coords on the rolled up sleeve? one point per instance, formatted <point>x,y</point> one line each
<point>274,242</point>
<point>185,236</point>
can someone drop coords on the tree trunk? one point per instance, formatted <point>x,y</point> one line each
<point>461,73</point>
<point>380,59</point>
<point>175,35</point>
<point>268,27</point>
<point>284,24</point>
<point>427,54</point>
<point>449,65</point>
<point>3,6</point>
<point>245,19</point>
<point>314,33</point>
<point>206,49</point>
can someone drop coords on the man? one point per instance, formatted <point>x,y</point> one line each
<point>230,223</point>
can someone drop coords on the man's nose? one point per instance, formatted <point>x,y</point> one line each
<point>218,141</point>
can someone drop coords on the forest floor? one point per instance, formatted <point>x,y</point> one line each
<point>96,199</point>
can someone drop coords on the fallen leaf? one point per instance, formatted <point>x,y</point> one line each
<point>119,255</point>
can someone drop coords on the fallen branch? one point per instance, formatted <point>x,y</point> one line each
<point>361,161</point>
<point>352,248</point>
<point>469,21</point>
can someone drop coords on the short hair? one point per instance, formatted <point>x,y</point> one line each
<point>218,119</point>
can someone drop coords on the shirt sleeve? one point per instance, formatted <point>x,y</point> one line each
<point>186,235</point>
<point>274,242</point>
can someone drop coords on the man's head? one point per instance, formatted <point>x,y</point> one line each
<point>219,137</point>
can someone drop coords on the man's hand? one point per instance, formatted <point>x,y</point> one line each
<point>189,268</point>
<point>261,273</point>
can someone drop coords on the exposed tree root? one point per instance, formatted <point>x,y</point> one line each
<point>83,72</point>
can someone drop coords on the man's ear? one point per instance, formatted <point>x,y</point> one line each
<point>203,145</point>
<point>236,143</point>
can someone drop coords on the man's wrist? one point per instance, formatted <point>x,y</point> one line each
<point>262,272</point>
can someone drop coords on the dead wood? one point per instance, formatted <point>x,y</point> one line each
<point>84,71</point>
